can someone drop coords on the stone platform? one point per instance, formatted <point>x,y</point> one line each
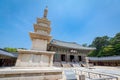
<point>30,73</point>
<point>34,58</point>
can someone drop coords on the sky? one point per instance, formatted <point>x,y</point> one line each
<point>77,21</point>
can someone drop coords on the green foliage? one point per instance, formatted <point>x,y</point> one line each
<point>106,46</point>
<point>115,40</point>
<point>93,53</point>
<point>106,51</point>
<point>84,45</point>
<point>100,42</point>
<point>117,49</point>
<point>10,49</point>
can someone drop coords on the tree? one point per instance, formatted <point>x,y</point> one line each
<point>115,40</point>
<point>117,49</point>
<point>93,53</point>
<point>100,42</point>
<point>84,45</point>
<point>10,49</point>
<point>106,46</point>
<point>106,51</point>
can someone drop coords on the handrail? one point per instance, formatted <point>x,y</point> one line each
<point>88,73</point>
<point>109,77</point>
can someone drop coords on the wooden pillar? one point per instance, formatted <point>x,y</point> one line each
<point>68,58</point>
<point>76,58</point>
<point>59,57</point>
<point>83,58</point>
<point>65,57</point>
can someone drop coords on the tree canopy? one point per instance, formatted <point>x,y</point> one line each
<point>10,49</point>
<point>106,46</point>
<point>13,50</point>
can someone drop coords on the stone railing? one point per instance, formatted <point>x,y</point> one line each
<point>92,75</point>
<point>89,74</point>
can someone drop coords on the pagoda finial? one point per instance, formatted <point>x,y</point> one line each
<point>45,12</point>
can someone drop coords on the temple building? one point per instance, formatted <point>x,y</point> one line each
<point>64,52</point>
<point>7,58</point>
<point>68,51</point>
<point>105,61</point>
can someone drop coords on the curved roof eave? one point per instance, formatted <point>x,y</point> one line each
<point>70,45</point>
<point>7,54</point>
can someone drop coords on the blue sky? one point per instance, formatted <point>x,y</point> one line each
<point>71,20</point>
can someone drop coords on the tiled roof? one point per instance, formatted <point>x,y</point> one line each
<point>2,52</point>
<point>69,45</point>
<point>104,58</point>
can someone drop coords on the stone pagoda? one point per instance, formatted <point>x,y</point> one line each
<point>35,64</point>
<point>38,56</point>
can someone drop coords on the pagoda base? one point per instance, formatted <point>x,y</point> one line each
<point>34,58</point>
<point>20,73</point>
